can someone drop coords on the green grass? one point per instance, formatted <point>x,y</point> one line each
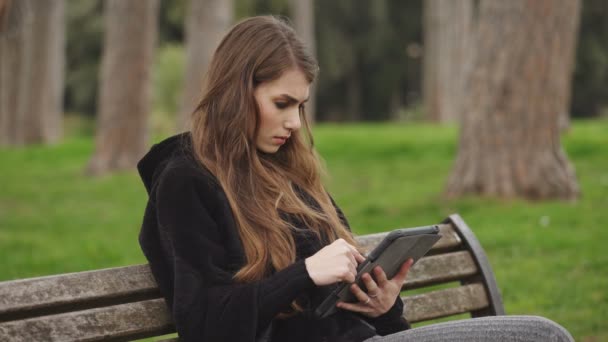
<point>54,219</point>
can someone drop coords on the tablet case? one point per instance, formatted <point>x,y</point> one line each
<point>398,246</point>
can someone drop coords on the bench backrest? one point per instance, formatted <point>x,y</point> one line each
<point>124,303</point>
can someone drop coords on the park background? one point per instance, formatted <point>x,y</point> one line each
<point>389,118</point>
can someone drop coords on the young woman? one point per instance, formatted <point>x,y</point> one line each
<point>239,231</point>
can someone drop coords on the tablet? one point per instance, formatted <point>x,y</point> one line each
<point>398,246</point>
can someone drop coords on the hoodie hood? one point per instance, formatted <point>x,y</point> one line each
<point>154,162</point>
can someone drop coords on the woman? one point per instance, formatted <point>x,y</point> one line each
<point>240,234</point>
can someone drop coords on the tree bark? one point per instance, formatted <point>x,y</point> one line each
<point>303,16</point>
<point>447,52</point>
<point>519,86</point>
<point>206,23</point>
<point>16,18</point>
<point>124,99</point>
<point>4,7</point>
<point>32,58</point>
<point>43,116</point>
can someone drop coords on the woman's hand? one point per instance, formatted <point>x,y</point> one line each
<point>380,295</point>
<point>334,263</point>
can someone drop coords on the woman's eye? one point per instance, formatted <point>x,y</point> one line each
<point>280,105</point>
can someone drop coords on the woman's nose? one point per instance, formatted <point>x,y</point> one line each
<point>293,121</point>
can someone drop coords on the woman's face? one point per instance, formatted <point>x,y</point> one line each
<point>280,102</point>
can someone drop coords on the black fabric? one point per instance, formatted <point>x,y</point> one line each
<point>190,239</point>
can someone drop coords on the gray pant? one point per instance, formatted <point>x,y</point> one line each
<point>495,328</point>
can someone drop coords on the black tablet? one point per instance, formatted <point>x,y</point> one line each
<point>398,246</point>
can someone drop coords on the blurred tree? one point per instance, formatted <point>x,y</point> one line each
<point>84,40</point>
<point>263,7</point>
<point>84,43</point>
<point>403,63</point>
<point>520,81</point>
<point>447,37</point>
<point>16,19</point>
<point>168,79</point>
<point>386,46</point>
<point>206,23</point>
<point>3,14</point>
<point>590,90</point>
<point>368,57</point>
<point>32,57</point>
<point>340,30</point>
<point>124,100</point>
<point>303,17</point>
<point>172,14</point>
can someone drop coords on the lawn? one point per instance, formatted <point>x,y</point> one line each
<point>549,257</point>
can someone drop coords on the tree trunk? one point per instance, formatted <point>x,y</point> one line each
<point>32,57</point>
<point>43,116</point>
<point>303,15</point>
<point>519,86</point>
<point>124,100</point>
<point>206,23</point>
<point>15,22</point>
<point>4,5</point>
<point>447,52</point>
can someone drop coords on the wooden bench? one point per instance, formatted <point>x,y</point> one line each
<point>121,304</point>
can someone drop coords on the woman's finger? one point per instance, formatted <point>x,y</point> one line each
<point>347,276</point>
<point>380,276</point>
<point>361,296</point>
<point>370,285</point>
<point>403,271</point>
<point>352,261</point>
<point>358,256</point>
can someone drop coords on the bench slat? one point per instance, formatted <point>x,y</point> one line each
<point>442,303</point>
<point>449,239</point>
<point>101,286</point>
<point>114,323</point>
<point>441,268</point>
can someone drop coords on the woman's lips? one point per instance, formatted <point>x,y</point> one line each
<point>279,140</point>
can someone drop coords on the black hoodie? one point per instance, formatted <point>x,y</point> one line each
<point>190,239</point>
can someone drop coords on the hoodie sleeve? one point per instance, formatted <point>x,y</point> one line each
<point>392,321</point>
<point>206,304</point>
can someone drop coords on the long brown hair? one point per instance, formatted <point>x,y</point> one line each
<point>260,186</point>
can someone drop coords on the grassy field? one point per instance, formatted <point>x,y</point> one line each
<point>549,257</point>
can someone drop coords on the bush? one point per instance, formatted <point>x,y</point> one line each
<point>168,74</point>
